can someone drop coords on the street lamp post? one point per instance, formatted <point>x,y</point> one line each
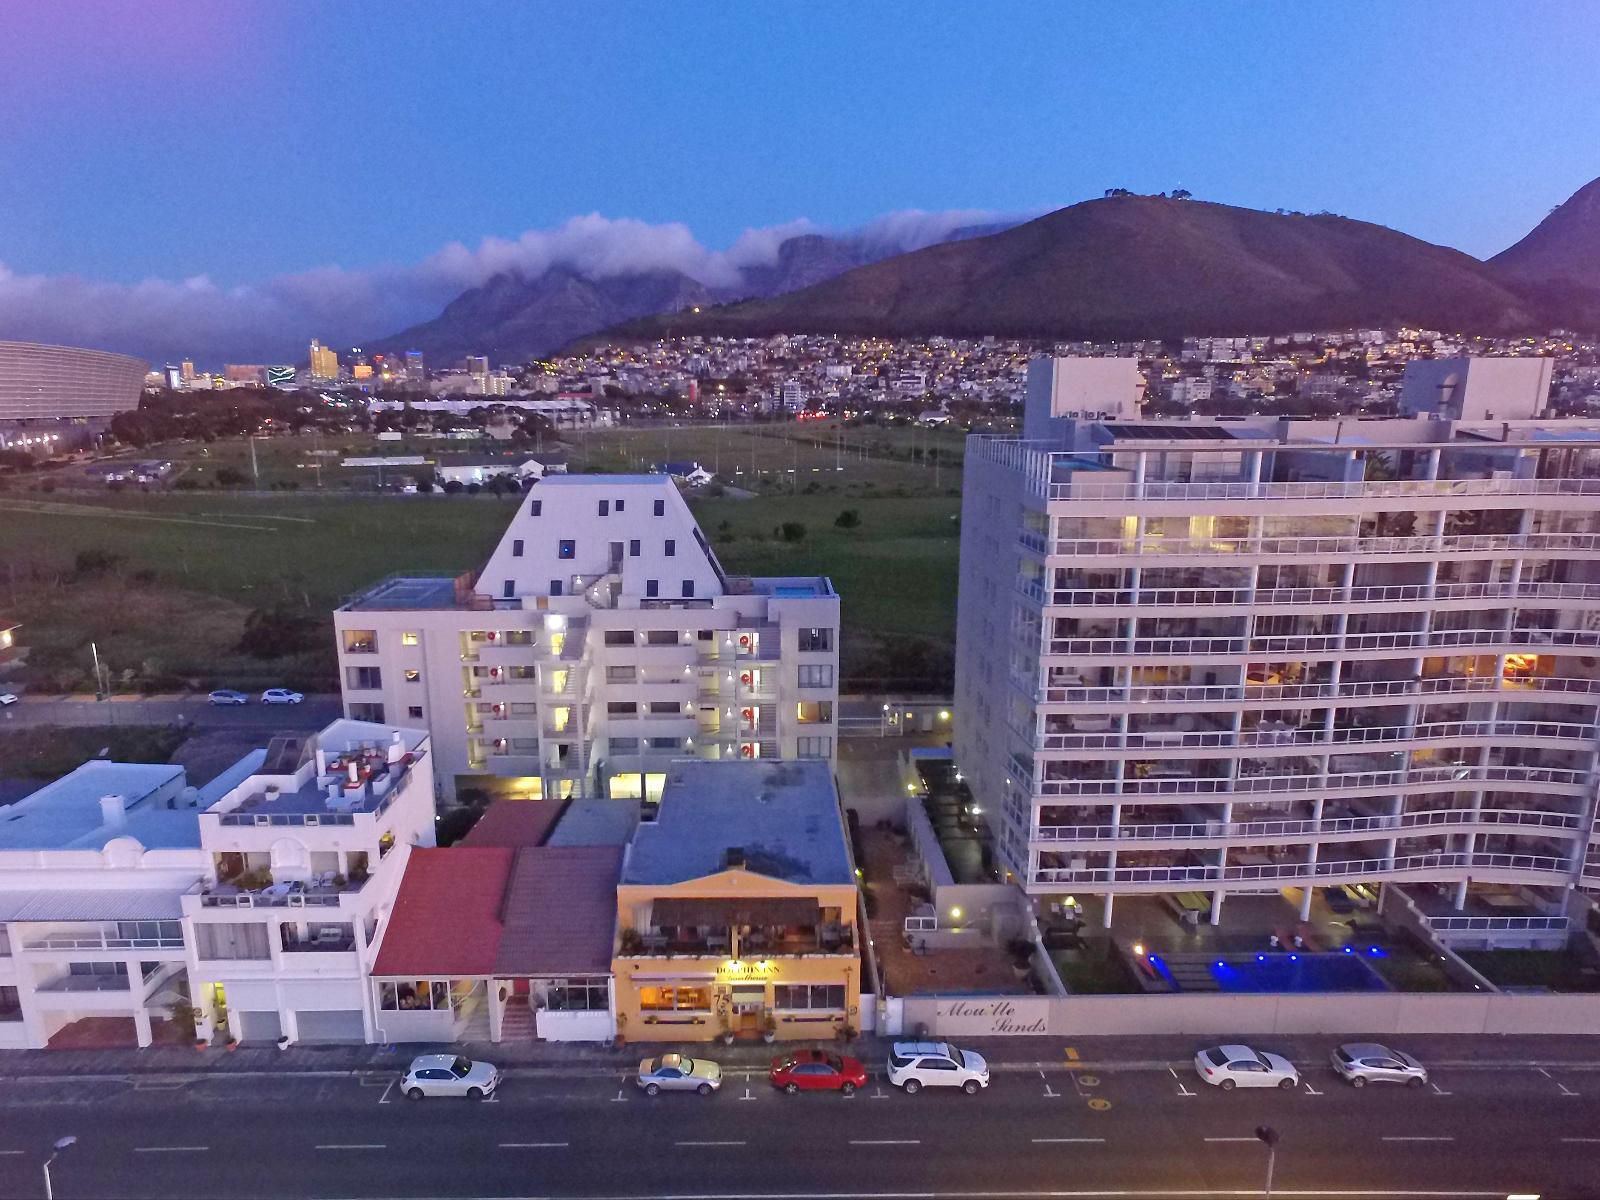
<point>61,1146</point>
<point>1269,1138</point>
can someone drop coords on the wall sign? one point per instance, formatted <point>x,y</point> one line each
<point>991,1018</point>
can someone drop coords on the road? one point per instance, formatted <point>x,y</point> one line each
<point>313,713</point>
<point>588,1133</point>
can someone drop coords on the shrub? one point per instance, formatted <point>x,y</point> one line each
<point>792,531</point>
<point>454,487</point>
<point>278,632</point>
<point>231,477</point>
<point>848,519</point>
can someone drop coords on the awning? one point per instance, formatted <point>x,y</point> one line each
<point>87,905</point>
<point>723,914</point>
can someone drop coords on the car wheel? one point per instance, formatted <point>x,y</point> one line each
<point>1288,1084</point>
<point>414,1094</point>
<point>1416,1081</point>
<point>1357,1081</point>
<point>474,1093</point>
<point>705,1089</point>
<point>791,1088</point>
<point>652,1089</point>
<point>970,1087</point>
<point>849,1089</point>
<point>911,1087</point>
<point>1227,1085</point>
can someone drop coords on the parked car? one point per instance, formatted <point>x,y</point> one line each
<point>679,1073</point>
<point>280,696</point>
<point>1361,1063</point>
<point>915,1065</point>
<point>7,699</point>
<point>817,1071</point>
<point>1228,1067</point>
<point>228,696</point>
<point>449,1075</point>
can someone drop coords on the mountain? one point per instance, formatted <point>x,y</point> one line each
<point>1562,248</point>
<point>512,319</point>
<point>1140,266</point>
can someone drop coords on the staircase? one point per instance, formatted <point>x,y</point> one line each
<point>474,1026</point>
<point>516,1023</point>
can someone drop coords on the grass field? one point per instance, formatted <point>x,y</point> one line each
<point>187,569</point>
<point>48,752</point>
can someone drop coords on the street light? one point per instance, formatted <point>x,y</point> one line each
<point>62,1145</point>
<point>1268,1136</point>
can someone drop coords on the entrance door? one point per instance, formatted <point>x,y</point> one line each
<point>748,1002</point>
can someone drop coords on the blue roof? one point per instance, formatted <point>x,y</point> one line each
<point>224,782</point>
<point>66,814</point>
<point>783,816</point>
<point>596,822</point>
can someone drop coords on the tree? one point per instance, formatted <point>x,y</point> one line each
<point>229,477</point>
<point>453,487</point>
<point>792,531</point>
<point>848,519</point>
<point>1182,194</point>
<point>279,631</point>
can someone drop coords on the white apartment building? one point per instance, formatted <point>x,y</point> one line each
<point>1263,656</point>
<point>127,896</point>
<point>601,640</point>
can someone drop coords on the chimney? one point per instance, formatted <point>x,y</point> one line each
<point>322,762</point>
<point>397,748</point>
<point>113,810</point>
<point>733,856</point>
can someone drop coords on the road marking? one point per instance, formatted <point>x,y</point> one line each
<point>1577,1140</point>
<point>879,1094</point>
<point>534,1145</point>
<point>619,1097</point>
<point>351,1146</point>
<point>1565,1090</point>
<point>1099,1104</point>
<point>1230,1139</point>
<point>13,1151</point>
<point>170,1149</point>
<point>748,1094</point>
<point>1069,1141</point>
<point>1088,1081</point>
<point>1183,1091</point>
<point>709,1143</point>
<point>1172,1070</point>
<point>886,1142</point>
<point>1311,1091</point>
<point>1439,1091</point>
<point>384,1099</point>
<point>1414,1138</point>
<point>1072,1054</point>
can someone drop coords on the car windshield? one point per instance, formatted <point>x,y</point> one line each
<point>461,1067</point>
<point>834,1062</point>
<point>686,1065</point>
<point>968,1060</point>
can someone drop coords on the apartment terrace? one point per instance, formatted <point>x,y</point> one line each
<point>362,779</point>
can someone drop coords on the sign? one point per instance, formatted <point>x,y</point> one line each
<point>991,1018</point>
<point>746,969</point>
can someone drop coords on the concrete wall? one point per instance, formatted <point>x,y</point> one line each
<point>1382,1013</point>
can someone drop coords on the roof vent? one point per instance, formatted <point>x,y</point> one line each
<point>733,857</point>
<point>114,810</point>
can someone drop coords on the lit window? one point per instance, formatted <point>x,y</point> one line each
<point>408,639</point>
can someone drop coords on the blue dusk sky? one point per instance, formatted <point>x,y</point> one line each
<point>250,172</point>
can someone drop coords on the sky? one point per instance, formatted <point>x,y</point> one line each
<point>228,178</point>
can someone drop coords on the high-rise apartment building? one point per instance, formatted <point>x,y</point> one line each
<point>324,362</point>
<point>601,640</point>
<point>1201,658</point>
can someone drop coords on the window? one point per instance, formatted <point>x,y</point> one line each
<point>624,745</point>
<point>633,548</point>
<point>414,712</point>
<point>705,635</point>
<point>578,995</point>
<point>516,547</point>
<point>808,995</point>
<point>535,507</point>
<point>367,712</point>
<point>555,587</point>
<point>621,674</point>
<point>819,675</point>
<point>509,591</point>
<point>363,679</point>
<point>652,587</point>
<point>661,508</point>
<point>661,637</point>
<point>5,944</point>
<point>664,999</point>
<point>519,637</point>
<point>665,743</point>
<point>523,672</point>
<point>619,637</point>
<point>605,508</point>
<point>621,708</point>
<point>360,641</point>
<point>666,708</point>
<point>813,747</point>
<point>10,1005</point>
<point>688,589</point>
<point>816,641</point>
<point>812,712</point>
<point>671,547</point>
<point>228,940</point>
<point>409,639</point>
<point>618,503</point>
<point>423,994</point>
<point>567,548</point>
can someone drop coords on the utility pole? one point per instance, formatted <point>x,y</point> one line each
<point>255,470</point>
<point>1268,1136</point>
<point>60,1147</point>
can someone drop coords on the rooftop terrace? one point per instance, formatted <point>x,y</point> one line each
<point>77,811</point>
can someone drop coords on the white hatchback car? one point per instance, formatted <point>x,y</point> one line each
<point>280,696</point>
<point>916,1065</point>
<point>1228,1067</point>
<point>449,1075</point>
<point>1362,1063</point>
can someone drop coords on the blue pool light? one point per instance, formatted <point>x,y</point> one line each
<point>1349,950</point>
<point>1294,958</point>
<point>1261,958</point>
<point>1375,951</point>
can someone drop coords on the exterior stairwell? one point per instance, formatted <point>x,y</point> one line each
<point>516,1023</point>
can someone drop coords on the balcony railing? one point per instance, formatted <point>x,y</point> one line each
<point>1464,924</point>
<point>1269,692</point>
<point>1347,869</point>
<point>1309,643</point>
<point>1321,597</point>
<point>1159,490</point>
<point>1321,546</point>
<point>1310,828</point>
<point>66,941</point>
<point>1459,775</point>
<point>1315,738</point>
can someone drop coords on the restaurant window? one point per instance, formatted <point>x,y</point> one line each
<point>809,995</point>
<point>670,999</point>
<point>578,995</point>
<point>423,994</point>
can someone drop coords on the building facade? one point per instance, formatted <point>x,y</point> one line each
<point>601,640</point>
<point>47,383</point>
<point>1209,658</point>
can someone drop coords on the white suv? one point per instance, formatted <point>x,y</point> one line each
<point>916,1065</point>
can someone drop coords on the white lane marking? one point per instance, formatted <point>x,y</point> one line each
<point>170,1149</point>
<point>1565,1090</point>
<point>1579,1140</point>
<point>1051,1093</point>
<point>1069,1141</point>
<point>748,1094</point>
<point>1310,1091</point>
<point>879,1094</point>
<point>1230,1139</point>
<point>886,1142</point>
<point>1439,1091</point>
<point>1415,1138</point>
<point>534,1145</point>
<point>1183,1091</point>
<point>384,1099</point>
<point>709,1143</point>
<point>13,1151</point>
<point>1173,1070</point>
<point>351,1146</point>
<point>619,1097</point>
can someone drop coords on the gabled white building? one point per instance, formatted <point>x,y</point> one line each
<point>601,640</point>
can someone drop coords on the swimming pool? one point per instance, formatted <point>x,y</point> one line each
<point>1293,972</point>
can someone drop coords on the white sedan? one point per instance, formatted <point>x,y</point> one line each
<point>449,1075</point>
<point>1228,1067</point>
<point>280,696</point>
<point>7,699</point>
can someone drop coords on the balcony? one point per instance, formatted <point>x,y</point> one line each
<point>1440,864</point>
<point>1441,820</point>
<point>321,943</point>
<point>1453,775</point>
<point>1323,548</point>
<point>1269,693</point>
<point>1322,598</point>
<point>1304,740</point>
<point>322,891</point>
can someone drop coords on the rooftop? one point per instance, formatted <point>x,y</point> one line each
<point>68,814</point>
<point>446,916</point>
<point>405,592</point>
<point>596,822</point>
<point>510,824</point>
<point>783,818</point>
<point>350,767</point>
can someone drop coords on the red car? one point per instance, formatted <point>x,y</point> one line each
<point>817,1071</point>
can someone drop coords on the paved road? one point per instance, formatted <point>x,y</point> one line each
<point>588,1133</point>
<point>314,713</point>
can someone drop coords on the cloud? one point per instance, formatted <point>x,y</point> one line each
<point>164,320</point>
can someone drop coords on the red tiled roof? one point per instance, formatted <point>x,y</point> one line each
<point>446,918</point>
<point>560,911</point>
<point>514,823</point>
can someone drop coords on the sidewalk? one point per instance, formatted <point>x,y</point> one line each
<point>567,1058</point>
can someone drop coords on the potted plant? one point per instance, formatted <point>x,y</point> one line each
<point>631,941</point>
<point>769,1029</point>
<point>847,1031</point>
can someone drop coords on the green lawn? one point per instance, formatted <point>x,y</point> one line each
<point>1558,970</point>
<point>49,752</point>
